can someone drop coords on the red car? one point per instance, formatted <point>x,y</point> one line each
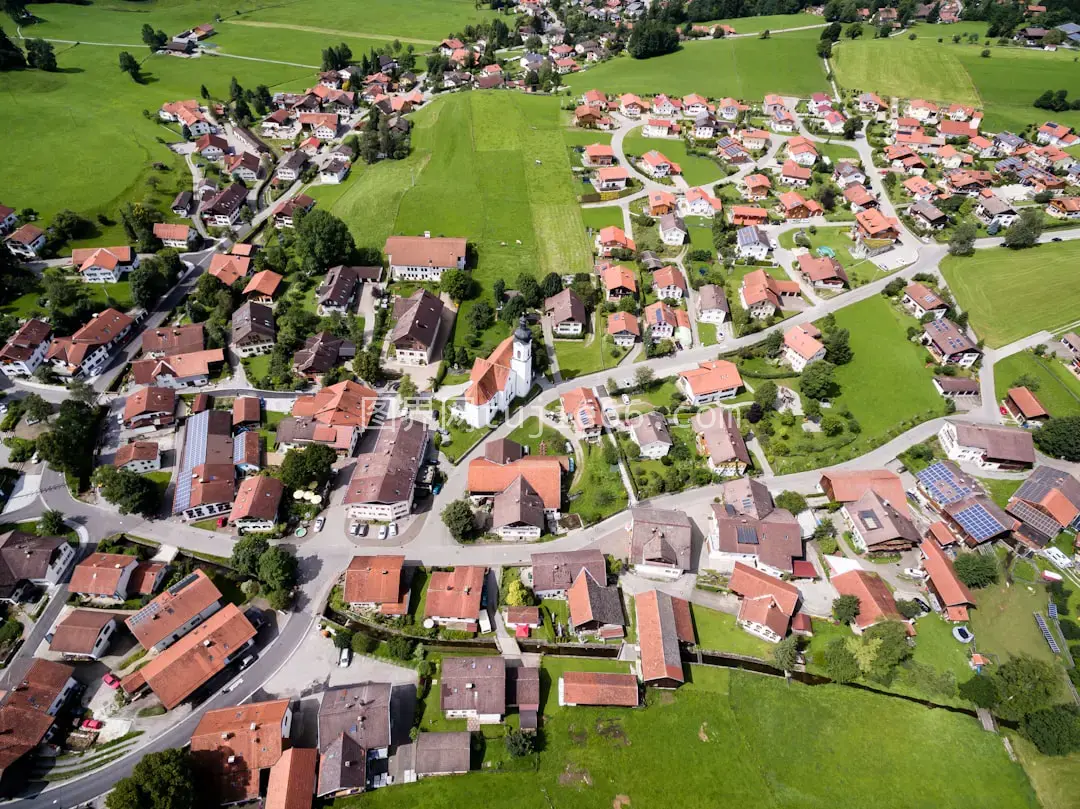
<point>92,724</point>
<point>111,680</point>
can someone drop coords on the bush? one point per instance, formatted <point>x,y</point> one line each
<point>279,599</point>
<point>401,647</point>
<point>363,643</point>
<point>845,609</point>
<point>976,569</point>
<point>1055,731</point>
<point>908,609</point>
<point>520,744</point>
<point>343,639</point>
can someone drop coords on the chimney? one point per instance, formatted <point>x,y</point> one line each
<point>225,736</point>
<point>253,726</point>
<point>206,643</point>
<point>348,763</point>
<point>232,759</point>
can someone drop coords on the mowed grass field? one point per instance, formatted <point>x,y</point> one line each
<point>745,68</point>
<point>84,142</point>
<point>1004,84</point>
<point>777,745</point>
<point>1059,390</point>
<point>492,167</point>
<point>772,22</point>
<point>1013,293</point>
<point>696,170</point>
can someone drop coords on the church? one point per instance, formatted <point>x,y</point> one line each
<point>496,381</point>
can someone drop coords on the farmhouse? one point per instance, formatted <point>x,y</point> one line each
<point>26,350</point>
<point>801,347</point>
<point>823,272</point>
<point>567,313</point>
<point>763,296</point>
<point>987,446</point>
<point>951,593</point>
<point>876,603</point>
<point>416,332</point>
<point>138,456</point>
<point>768,603</point>
<point>88,350</point>
<point>1046,503</point>
<point>748,528</point>
<point>711,381</point>
<point>423,258</point>
<point>382,484</point>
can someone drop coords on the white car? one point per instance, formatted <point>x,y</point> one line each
<point>393,529</point>
<point>915,572</point>
<point>320,524</point>
<point>625,399</point>
<point>382,531</point>
<point>345,658</point>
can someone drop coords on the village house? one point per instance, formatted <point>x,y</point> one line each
<point>416,332</point>
<point>752,242</point>
<point>953,596</point>
<point>669,284</point>
<point>595,609</point>
<point>877,526</point>
<point>712,304</point>
<point>822,272</point>
<point>920,300</point>
<point>618,283</point>
<point>660,128</point>
<point>699,202</point>
<point>104,265</point>
<point>424,258</point>
<point>582,412</point>
<point>661,202</point>
<point>755,140</point>
<point>994,211</point>
<point>206,477</point>
<point>610,178</point>
<point>659,542</point>
<point>178,370</point>
<point>650,432</point>
<point>871,104</point>
<point>27,559</point>
<point>927,216</point>
<point>222,209</point>
<point>175,612</point>
<point>767,603</point>
<point>253,329</point>
<point>1047,503</point>
<point>763,296</point>
<point>665,323</point>
<point>257,503</point>
<point>88,350</point>
<point>285,212</point>
<point>355,732</point>
<point>796,209</point>
<point>24,352</point>
<point>1025,408</point>
<point>859,198</point>
<point>987,446</point>
<point>802,151</point>
<point>290,169</point>
<point>599,154</point>
<point>748,528</point>
<point>104,577</point>
<point>517,512</point>
<point>721,443</point>
<point>554,573</point>
<point>756,186</point>
<point>874,233</point>
<point>664,624</point>
<point>801,347</point>
<point>656,165</point>
<point>212,147</point>
<point>150,407</point>
<point>179,237</point>
<point>376,584</point>
<point>795,175</point>
<point>624,329</point>
<point>710,382</point>
<point>26,242</point>
<point>244,166</point>
<point>453,598</point>
<point>139,457</point>
<point>263,287</point>
<point>876,602</point>
<point>83,634</point>
<point>846,174</point>
<point>567,314</point>
<point>631,106</point>
<point>948,345</point>
<point>612,239</point>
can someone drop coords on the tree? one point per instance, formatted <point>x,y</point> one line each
<point>518,595</point>
<point>277,569</point>
<point>786,653</point>
<point>854,31</point>
<point>498,290</point>
<point>1060,438</point>
<point>68,446</point>
<point>824,49</point>
<point>520,743</point>
<point>163,780</point>
<point>908,609</point>
<point>652,38</point>
<point>458,284</point>
<point>343,638</point>
<point>765,396</point>
<point>82,391</point>
<point>832,32</point>
<point>976,569</point>
<point>980,690</point>
<point>147,284</point>
<point>851,127</point>
<point>755,413</point>
<point>129,65</point>
<point>817,380</point>
<point>279,599</point>
<point>962,242</point>
<point>52,524</point>
<point>840,663</point>
<point>1026,230</point>
<point>367,366</point>
<point>1024,685</point>
<point>845,609</point>
<point>36,408</point>
<point>643,377</point>
<point>512,310</point>
<point>401,647</point>
<point>481,317</point>
<point>458,518</point>
<point>40,55</point>
<point>529,290</point>
<point>312,464</point>
<point>837,348</point>
<point>322,240</point>
<point>831,425</point>
<point>128,491</point>
<point>792,501</point>
<point>246,553</point>
<point>551,285</point>
<point>11,58</point>
<point>406,388</point>
<point>363,643</point>
<point>1055,731</point>
<point>154,40</point>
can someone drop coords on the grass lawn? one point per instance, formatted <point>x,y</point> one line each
<point>268,431</point>
<point>660,392</point>
<point>772,22</point>
<point>585,137</point>
<point>700,233</point>
<point>887,388</point>
<point>860,271</point>
<point>653,477</point>
<point>1003,622</point>
<point>744,68</point>
<point>707,333</point>
<point>91,113</point>
<point>719,632</point>
<point>558,611</point>
<point>837,151</point>
<point>579,357</point>
<point>598,218</point>
<point>462,436</point>
<point>1000,490</point>
<point>256,367</point>
<point>823,753</point>
<point>599,491</point>
<point>505,153</point>
<point>1006,290</point>
<point>539,438</point>
<point>1054,777</point>
<point>1059,390</point>
<point>230,590</point>
<point>1004,85</point>
<point>696,170</point>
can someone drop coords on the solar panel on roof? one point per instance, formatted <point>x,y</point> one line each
<point>979,524</point>
<point>944,487</point>
<point>869,519</point>
<point>746,535</point>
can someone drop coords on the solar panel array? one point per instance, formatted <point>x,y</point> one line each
<point>944,485</point>
<point>979,523</point>
<point>1046,633</point>
<point>746,535</point>
<point>194,454</point>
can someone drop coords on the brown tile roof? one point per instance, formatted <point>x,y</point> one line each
<point>660,535</point>
<point>79,631</point>
<point>557,570</point>
<point>487,677</point>
<point>173,608</point>
<point>523,615</point>
<point>163,230</point>
<point>663,622</point>
<point>875,601</point>
<point>517,504</point>
<point>418,323</point>
<point>749,582</point>
<point>25,556</point>
<point>721,437</point>
<point>421,251</point>
<point>387,473</point>
<point>98,331</point>
<point>347,403</point>
<point>20,732</point>
<point>253,319</point>
<point>376,580</point>
<point>998,443</point>
<point>599,688</point>
<point>135,451</point>
<point>523,688</point>
<point>503,450</point>
<point>145,577</point>
<point>565,307</point>
<point>881,525</point>
<point>950,590</point>
<point>456,593</point>
<point>245,409</point>
<point>774,537</point>
<point>231,745</point>
<point>179,366</point>
<point>544,474</point>
<point>257,498</point>
<point>292,779</point>
<point>100,573</point>
<point>173,339</point>
<point>25,341</point>
<point>40,686</point>
<point>620,322</point>
<point>441,753</point>
<point>321,352</point>
<point>582,409</point>
<point>190,662</point>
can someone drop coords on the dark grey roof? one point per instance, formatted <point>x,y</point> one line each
<point>440,753</point>
<point>227,201</point>
<point>387,473</point>
<point>775,538</point>
<point>24,556</point>
<point>339,286</point>
<point>253,320</point>
<point>565,307</point>
<point>342,765</point>
<point>523,687</point>
<point>321,352</point>
<point>352,720</point>
<point>712,296</point>
<point>418,323</point>
<point>925,210</point>
<point>473,683</point>
<point>503,451</point>
<point>518,504</point>
<point>558,569</point>
<point>999,443</point>
<point>605,603</point>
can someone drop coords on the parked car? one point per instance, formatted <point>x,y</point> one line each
<point>393,529</point>
<point>915,572</point>
<point>247,661</point>
<point>354,529</point>
<point>111,680</point>
<point>922,605</point>
<point>625,399</point>
<point>345,658</point>
<point>383,531</point>
<point>320,524</point>
<point>92,724</point>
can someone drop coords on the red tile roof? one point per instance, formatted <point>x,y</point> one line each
<point>99,574</point>
<point>455,593</point>
<point>376,580</point>
<point>292,779</point>
<point>876,603</point>
<point>599,688</point>
<point>663,622</point>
